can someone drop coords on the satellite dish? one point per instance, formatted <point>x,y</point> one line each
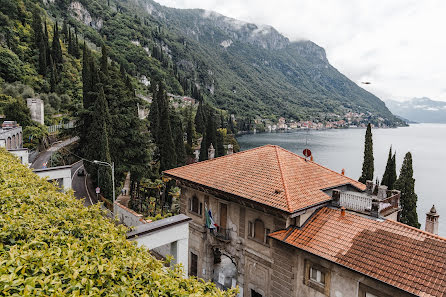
<point>307,153</point>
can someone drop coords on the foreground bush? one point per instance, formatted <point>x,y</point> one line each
<point>50,245</point>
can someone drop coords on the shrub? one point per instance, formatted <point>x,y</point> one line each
<point>51,245</point>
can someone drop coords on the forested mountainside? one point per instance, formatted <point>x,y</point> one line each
<point>246,69</point>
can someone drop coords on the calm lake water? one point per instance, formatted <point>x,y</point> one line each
<point>344,148</point>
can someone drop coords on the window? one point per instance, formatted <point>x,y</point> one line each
<point>195,205</point>
<point>257,231</point>
<point>366,291</point>
<point>317,277</point>
<point>193,264</point>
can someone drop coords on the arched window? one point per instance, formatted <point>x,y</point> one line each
<point>257,231</point>
<point>195,205</point>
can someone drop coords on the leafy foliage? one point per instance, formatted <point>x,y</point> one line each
<point>51,245</point>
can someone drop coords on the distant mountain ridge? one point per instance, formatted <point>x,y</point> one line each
<point>423,110</point>
<point>247,69</point>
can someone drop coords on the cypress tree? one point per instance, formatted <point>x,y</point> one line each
<point>47,45</point>
<point>220,149</point>
<point>211,128</point>
<point>56,48</point>
<point>168,157</point>
<point>104,60</point>
<point>368,166</point>
<point>98,134</point>
<point>52,76</point>
<point>65,29</point>
<point>154,117</point>
<point>203,149</point>
<point>76,52</point>
<point>406,184</point>
<point>190,128</point>
<point>389,176</point>
<point>39,41</point>
<point>177,131</point>
<point>200,118</point>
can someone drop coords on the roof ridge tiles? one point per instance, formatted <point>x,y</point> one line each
<point>283,181</point>
<point>312,162</point>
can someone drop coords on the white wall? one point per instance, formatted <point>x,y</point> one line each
<point>127,216</point>
<point>53,173</point>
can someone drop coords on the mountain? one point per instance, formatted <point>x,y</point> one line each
<point>253,68</point>
<point>423,110</point>
<point>247,69</point>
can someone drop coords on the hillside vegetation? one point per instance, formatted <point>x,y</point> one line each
<point>51,245</point>
<point>246,69</point>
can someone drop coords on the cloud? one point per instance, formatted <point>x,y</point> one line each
<point>398,45</point>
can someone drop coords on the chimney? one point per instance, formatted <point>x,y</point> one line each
<point>211,152</point>
<point>343,211</point>
<point>432,221</point>
<point>375,208</point>
<point>382,192</point>
<point>230,150</point>
<point>336,198</point>
<point>369,187</point>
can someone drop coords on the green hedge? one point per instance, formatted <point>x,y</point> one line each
<point>51,245</point>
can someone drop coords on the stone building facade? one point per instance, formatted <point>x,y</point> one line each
<point>281,229</point>
<point>11,138</point>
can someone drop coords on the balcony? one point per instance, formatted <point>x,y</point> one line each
<point>381,202</point>
<point>221,234</point>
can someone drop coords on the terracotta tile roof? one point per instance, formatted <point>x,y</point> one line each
<point>394,253</point>
<point>269,175</point>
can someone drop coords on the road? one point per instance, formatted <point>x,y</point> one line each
<point>45,156</point>
<point>79,185</point>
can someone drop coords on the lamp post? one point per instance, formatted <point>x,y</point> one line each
<point>112,166</point>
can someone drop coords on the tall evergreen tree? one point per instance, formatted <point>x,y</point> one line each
<point>200,118</point>
<point>98,134</point>
<point>190,128</point>
<point>56,49</point>
<point>389,176</point>
<point>177,131</point>
<point>368,165</point>
<point>211,127</point>
<point>154,117</point>
<point>406,184</point>
<point>65,30</point>
<point>39,41</point>
<point>166,146</point>
<point>220,149</point>
<point>203,148</point>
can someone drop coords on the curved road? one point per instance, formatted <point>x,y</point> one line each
<point>45,156</point>
<point>80,187</point>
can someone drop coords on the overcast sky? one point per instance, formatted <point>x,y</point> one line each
<point>397,45</point>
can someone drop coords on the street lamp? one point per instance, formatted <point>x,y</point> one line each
<point>112,166</point>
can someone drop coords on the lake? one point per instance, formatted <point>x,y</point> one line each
<point>340,149</point>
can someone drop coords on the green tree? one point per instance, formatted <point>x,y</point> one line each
<point>56,49</point>
<point>154,117</point>
<point>11,68</point>
<point>190,127</point>
<point>220,149</point>
<point>389,177</point>
<point>368,165</point>
<point>200,118</point>
<point>98,147</point>
<point>166,146</point>
<point>15,109</point>
<point>203,148</point>
<point>177,131</point>
<point>39,41</point>
<point>406,184</point>
<point>211,127</point>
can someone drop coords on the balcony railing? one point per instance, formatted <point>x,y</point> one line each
<point>221,234</point>
<point>363,203</point>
